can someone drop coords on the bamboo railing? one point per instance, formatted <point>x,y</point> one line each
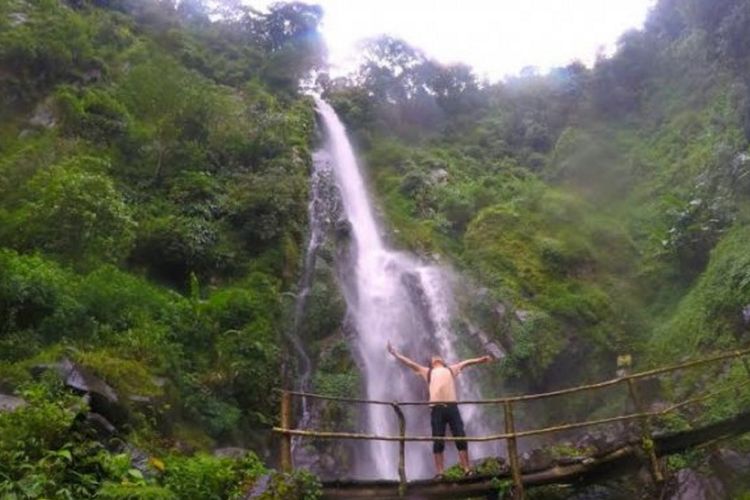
<point>510,435</point>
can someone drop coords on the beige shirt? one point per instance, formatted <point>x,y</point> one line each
<point>442,383</point>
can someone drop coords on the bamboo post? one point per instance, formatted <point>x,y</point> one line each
<point>646,437</point>
<point>286,438</point>
<point>515,468</point>
<point>401,449</point>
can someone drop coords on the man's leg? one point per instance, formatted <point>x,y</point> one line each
<point>439,462</point>
<point>457,429</point>
<point>438,421</point>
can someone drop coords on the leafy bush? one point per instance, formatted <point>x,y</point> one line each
<point>96,115</point>
<point>52,43</point>
<point>172,247</point>
<point>76,214</point>
<point>200,476</point>
<point>36,297</point>
<point>710,315</point>
<point>39,457</point>
<point>299,484</point>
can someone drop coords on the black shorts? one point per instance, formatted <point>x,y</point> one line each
<point>442,415</point>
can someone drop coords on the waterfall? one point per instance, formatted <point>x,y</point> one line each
<point>317,216</point>
<point>393,296</point>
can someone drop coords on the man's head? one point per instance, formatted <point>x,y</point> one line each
<point>436,361</point>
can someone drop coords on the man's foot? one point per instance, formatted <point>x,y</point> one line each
<point>439,476</point>
<point>470,472</point>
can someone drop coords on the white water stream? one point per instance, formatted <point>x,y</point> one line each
<point>394,296</point>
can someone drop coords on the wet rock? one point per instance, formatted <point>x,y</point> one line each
<point>141,400</point>
<point>746,314</point>
<point>495,350</point>
<point>599,443</point>
<point>92,75</point>
<point>327,464</point>
<point>101,398</point>
<point>43,117</point>
<point>650,391</point>
<point>16,19</point>
<point>740,160</point>
<point>501,311</point>
<point>537,459</point>
<point>343,229</point>
<point>97,427</point>
<point>139,459</point>
<point>522,316</point>
<point>232,452</point>
<point>692,485</point>
<point>10,403</point>
<point>439,176</point>
<point>259,488</point>
<point>81,379</point>
<point>731,467</point>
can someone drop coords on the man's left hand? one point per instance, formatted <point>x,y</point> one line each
<point>390,348</point>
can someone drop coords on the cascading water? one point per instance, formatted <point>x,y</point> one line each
<point>317,210</point>
<point>392,296</point>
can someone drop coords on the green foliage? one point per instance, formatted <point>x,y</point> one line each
<point>129,377</point>
<point>299,484</point>
<point>710,315</point>
<point>38,455</point>
<point>200,476</point>
<point>605,208</point>
<point>96,115</point>
<point>75,213</point>
<point>263,207</point>
<point>35,303</point>
<point>142,141</point>
<point>47,43</point>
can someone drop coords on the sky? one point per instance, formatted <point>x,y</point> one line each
<point>496,37</point>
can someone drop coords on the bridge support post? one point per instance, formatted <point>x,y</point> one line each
<point>286,439</point>
<point>401,449</point>
<point>646,437</point>
<point>515,467</point>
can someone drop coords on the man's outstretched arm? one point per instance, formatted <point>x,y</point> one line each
<point>456,369</point>
<point>411,364</point>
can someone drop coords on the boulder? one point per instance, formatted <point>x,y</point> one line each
<point>522,316</point>
<point>537,459</point>
<point>731,467</point>
<point>501,310</point>
<point>43,116</point>
<point>232,452</point>
<point>139,460</point>
<point>17,19</point>
<point>97,427</point>
<point>495,350</point>
<point>342,229</point>
<point>439,176</point>
<point>599,443</point>
<point>100,396</point>
<point>259,488</point>
<point>10,403</point>
<point>692,485</point>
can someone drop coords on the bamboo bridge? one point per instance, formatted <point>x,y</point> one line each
<point>642,449</point>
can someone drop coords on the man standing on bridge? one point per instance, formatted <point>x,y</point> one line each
<point>443,407</point>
